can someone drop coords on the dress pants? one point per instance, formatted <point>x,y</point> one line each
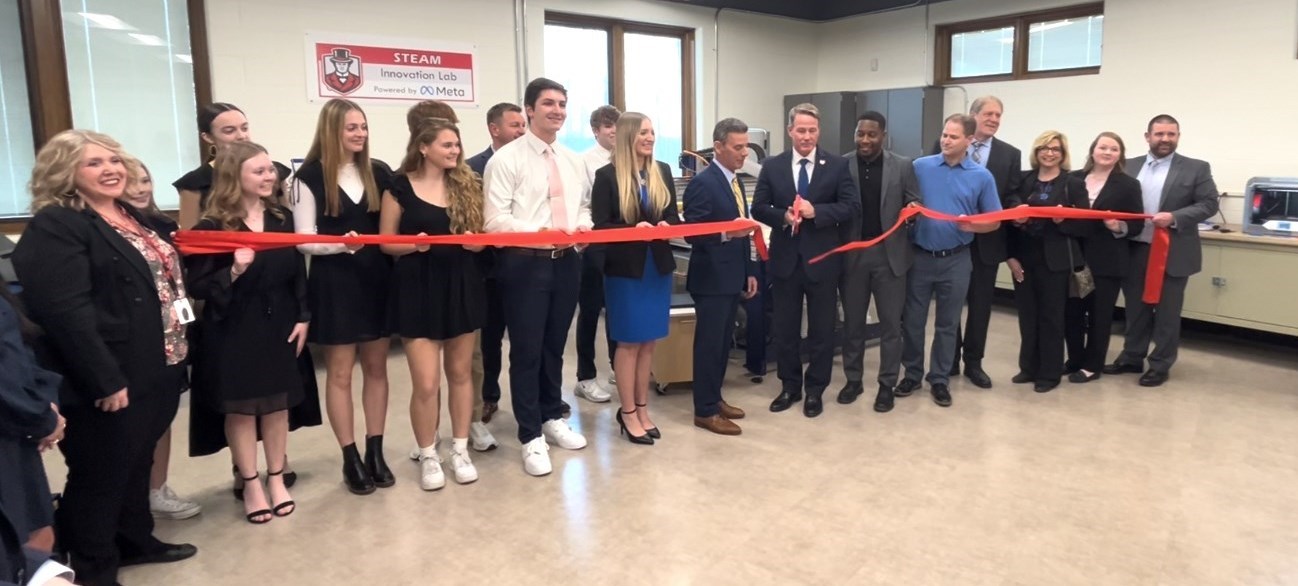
<point>1088,324</point>
<point>714,332</point>
<point>489,344</point>
<point>982,291</point>
<point>540,297</point>
<point>867,274</point>
<point>822,312</point>
<point>755,328</point>
<point>1041,300</point>
<point>104,514</point>
<point>1160,323</point>
<point>591,303</point>
<point>946,280</point>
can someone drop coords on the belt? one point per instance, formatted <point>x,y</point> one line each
<point>550,253</point>
<point>941,253</point>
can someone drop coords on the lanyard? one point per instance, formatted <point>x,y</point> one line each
<point>163,258</point>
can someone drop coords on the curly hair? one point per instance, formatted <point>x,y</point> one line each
<point>464,192</point>
<point>225,203</point>
<point>54,175</point>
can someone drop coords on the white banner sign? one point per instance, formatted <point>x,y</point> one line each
<point>379,70</point>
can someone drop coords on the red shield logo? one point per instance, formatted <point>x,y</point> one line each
<point>342,71</point>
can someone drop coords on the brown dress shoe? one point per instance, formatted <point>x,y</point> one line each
<point>730,411</point>
<point>489,409</point>
<point>718,424</point>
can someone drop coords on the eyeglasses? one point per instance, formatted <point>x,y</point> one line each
<point>1050,149</point>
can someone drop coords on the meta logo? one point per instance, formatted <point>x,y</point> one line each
<point>436,91</point>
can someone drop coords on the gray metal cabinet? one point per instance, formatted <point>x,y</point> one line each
<point>914,117</point>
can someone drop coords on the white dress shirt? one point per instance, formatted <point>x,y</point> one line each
<point>304,211</point>
<point>797,167</point>
<point>1152,177</point>
<point>594,158</point>
<point>984,151</point>
<point>516,187</point>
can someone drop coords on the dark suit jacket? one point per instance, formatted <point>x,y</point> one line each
<point>900,189</point>
<point>95,297</point>
<point>716,267</point>
<point>627,259</point>
<point>1051,240</point>
<point>478,162</point>
<point>1005,163</point>
<point>837,202</point>
<point>1190,194</point>
<point>1106,255</point>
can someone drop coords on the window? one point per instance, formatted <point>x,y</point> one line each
<point>1065,41</point>
<point>634,66</point>
<point>17,146</point>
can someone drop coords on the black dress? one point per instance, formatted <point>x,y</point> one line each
<point>347,293</point>
<point>439,294</point>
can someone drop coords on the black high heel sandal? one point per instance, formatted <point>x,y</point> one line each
<point>643,440</point>
<point>651,431</point>
<point>290,478</point>
<point>252,517</point>
<point>277,508</point>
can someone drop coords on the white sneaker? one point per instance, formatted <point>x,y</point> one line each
<point>557,432</point>
<point>431,476</point>
<point>164,504</point>
<point>536,457</point>
<point>480,437</point>
<point>591,390</point>
<point>462,464</point>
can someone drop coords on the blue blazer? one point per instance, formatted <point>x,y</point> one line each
<point>837,201</point>
<point>479,161</point>
<point>716,267</point>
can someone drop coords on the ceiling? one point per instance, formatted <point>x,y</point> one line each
<point>809,10</point>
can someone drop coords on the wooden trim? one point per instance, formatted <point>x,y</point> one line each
<point>687,91</point>
<point>601,22</point>
<point>41,22</point>
<point>198,53</point>
<point>1022,23</point>
<point>617,66</point>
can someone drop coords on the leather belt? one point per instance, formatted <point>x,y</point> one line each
<point>550,253</point>
<point>941,253</point>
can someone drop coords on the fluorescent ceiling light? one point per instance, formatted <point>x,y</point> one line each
<point>107,21</point>
<point>150,40</point>
<point>184,58</point>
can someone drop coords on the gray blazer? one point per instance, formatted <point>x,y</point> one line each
<point>900,188</point>
<point>1191,196</point>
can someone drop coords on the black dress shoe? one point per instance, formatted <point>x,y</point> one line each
<point>883,400</point>
<point>1023,377</point>
<point>374,462</point>
<point>784,401</point>
<point>941,395</point>
<point>976,375</point>
<point>905,388</point>
<point>1071,367</point>
<point>813,406</point>
<point>1081,377</point>
<point>1153,378</point>
<point>850,392</point>
<point>355,474</point>
<point>1045,386</point>
<point>168,553</point>
<point>1122,368</point>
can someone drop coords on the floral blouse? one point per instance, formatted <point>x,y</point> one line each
<point>164,264</point>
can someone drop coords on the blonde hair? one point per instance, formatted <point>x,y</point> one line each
<point>139,172</point>
<point>1043,140</point>
<point>225,202</point>
<point>629,165</point>
<point>464,198</point>
<point>327,148</point>
<point>54,176</point>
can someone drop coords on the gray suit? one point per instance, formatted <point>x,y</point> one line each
<point>879,271</point>
<point>1190,194</point>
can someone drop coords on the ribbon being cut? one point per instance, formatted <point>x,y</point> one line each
<point>212,242</point>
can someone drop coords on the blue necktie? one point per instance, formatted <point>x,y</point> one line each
<point>803,181</point>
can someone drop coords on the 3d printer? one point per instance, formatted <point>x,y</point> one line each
<point>1271,208</point>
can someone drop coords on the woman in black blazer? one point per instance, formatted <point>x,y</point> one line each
<point>109,294</point>
<point>1043,253</point>
<point>1106,247</point>
<point>636,191</point>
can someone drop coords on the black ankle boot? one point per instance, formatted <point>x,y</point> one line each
<point>355,475</point>
<point>375,464</point>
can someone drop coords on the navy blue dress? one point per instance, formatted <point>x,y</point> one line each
<point>638,308</point>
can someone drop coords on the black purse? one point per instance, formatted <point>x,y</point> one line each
<point>1080,281</point>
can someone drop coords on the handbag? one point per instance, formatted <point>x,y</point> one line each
<point>1080,281</point>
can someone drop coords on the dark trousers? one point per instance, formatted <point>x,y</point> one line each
<point>1088,325</point>
<point>982,290</point>
<point>822,312</point>
<point>104,514</point>
<point>714,330</point>
<point>490,339</point>
<point>540,297</point>
<point>946,281</point>
<point>867,274</point>
<point>755,328</point>
<point>1041,298</point>
<point>1160,323</point>
<point>590,304</point>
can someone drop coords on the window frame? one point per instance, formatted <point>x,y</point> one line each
<point>41,25</point>
<point>1022,23</point>
<point>616,30</point>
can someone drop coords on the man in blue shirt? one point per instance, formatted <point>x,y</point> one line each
<point>952,184</point>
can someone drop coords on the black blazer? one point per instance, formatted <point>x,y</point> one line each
<point>837,202</point>
<point>1043,239</point>
<point>1005,163</point>
<point>626,259</point>
<point>95,297</point>
<point>478,162</point>
<point>1106,255</point>
<point>717,267</point>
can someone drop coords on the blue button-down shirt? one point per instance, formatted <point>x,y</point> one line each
<point>966,188</point>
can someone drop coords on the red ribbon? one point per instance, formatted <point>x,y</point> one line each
<point>218,241</point>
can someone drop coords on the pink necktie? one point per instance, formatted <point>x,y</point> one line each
<point>558,209</point>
